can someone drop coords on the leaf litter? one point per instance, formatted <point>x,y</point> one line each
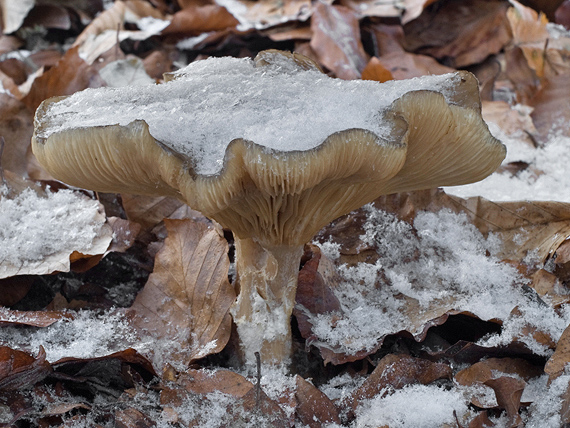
<point>410,281</point>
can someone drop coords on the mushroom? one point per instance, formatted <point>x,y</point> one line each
<point>272,149</point>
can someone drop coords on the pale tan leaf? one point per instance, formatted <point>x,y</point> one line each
<point>188,295</point>
<point>384,9</point>
<point>14,13</point>
<point>263,14</point>
<point>336,40</point>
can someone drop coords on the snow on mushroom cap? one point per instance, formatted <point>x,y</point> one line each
<point>212,102</point>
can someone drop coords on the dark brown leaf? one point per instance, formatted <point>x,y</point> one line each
<point>14,289</point>
<point>132,418</point>
<point>19,370</point>
<point>314,408</point>
<point>556,364</point>
<point>30,318</point>
<point>474,29</point>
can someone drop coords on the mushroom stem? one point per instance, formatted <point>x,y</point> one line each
<point>267,280</point>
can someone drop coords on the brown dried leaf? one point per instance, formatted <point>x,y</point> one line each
<point>132,418</point>
<point>395,372</point>
<point>188,295</point>
<point>481,421</point>
<point>473,31</point>
<point>200,383</point>
<point>336,40</point>
<point>493,368</point>
<point>111,19</point>
<point>30,318</point>
<point>49,16</point>
<point>148,211</point>
<point>71,74</point>
<point>14,289</point>
<point>195,20</point>
<point>550,105</point>
<point>19,370</point>
<point>556,364</point>
<point>314,408</point>
<point>124,234</point>
<point>316,280</point>
<point>374,70</point>
<point>414,8</point>
<point>508,391</point>
<point>16,126</point>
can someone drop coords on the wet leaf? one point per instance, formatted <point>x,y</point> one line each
<point>19,370</point>
<point>314,408</point>
<point>188,295</point>
<point>336,40</point>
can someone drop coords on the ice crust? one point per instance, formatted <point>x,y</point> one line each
<point>215,101</point>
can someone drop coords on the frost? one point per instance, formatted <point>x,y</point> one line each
<point>440,262</point>
<point>413,406</point>
<point>87,335</point>
<point>214,101</point>
<point>546,410</point>
<point>33,227</point>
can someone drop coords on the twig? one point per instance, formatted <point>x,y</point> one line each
<point>258,385</point>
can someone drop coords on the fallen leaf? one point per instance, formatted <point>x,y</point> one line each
<point>314,408</point>
<point>395,372</point>
<point>245,408</point>
<point>132,418</point>
<point>124,234</point>
<point>492,368</point>
<point>264,14</point>
<point>195,20</point>
<point>556,364</point>
<point>14,289</point>
<point>30,318</point>
<point>473,31</point>
<point>19,370</point>
<point>87,234</point>
<point>366,8</point>
<point>71,74</point>
<point>481,421</point>
<point>508,391</point>
<point>16,126</point>
<point>314,289</point>
<point>550,112</point>
<point>414,9</point>
<point>188,296</point>
<point>48,16</point>
<point>562,15</point>
<point>336,40</point>
<point>14,13</point>
<point>148,211</point>
<point>374,70</point>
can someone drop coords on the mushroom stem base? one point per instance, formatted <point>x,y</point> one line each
<point>267,282</point>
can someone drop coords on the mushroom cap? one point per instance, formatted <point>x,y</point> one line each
<point>254,176</point>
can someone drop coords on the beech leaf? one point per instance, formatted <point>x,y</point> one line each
<point>188,296</point>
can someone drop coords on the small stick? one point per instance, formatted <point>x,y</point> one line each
<point>258,385</point>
